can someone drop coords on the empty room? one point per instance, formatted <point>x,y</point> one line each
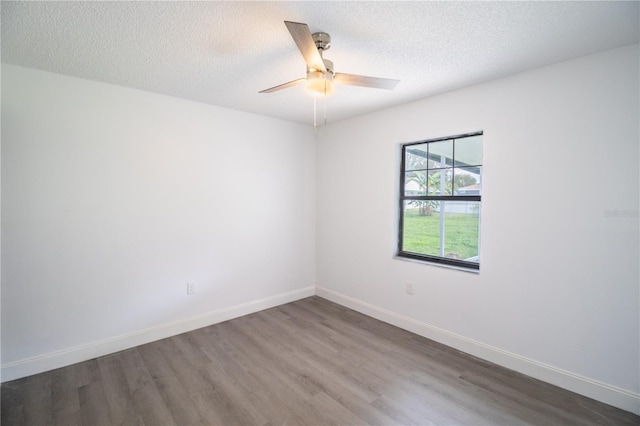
<point>349,213</point>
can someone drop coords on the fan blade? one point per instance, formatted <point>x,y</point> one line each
<point>362,80</point>
<point>284,85</point>
<point>302,36</point>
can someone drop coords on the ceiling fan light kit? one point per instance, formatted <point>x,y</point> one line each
<point>319,84</point>
<point>321,77</point>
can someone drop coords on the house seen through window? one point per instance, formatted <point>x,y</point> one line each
<point>440,196</point>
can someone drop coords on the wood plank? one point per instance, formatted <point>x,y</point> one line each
<point>38,402</point>
<point>117,392</point>
<point>12,402</point>
<point>94,409</point>
<point>149,402</point>
<point>65,397</point>
<point>306,362</point>
<point>266,401</point>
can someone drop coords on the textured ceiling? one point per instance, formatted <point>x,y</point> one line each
<point>223,53</point>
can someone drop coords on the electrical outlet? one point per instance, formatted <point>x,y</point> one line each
<point>408,288</point>
<point>191,288</point>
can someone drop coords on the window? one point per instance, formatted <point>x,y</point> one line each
<point>440,196</point>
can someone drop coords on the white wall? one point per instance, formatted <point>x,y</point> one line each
<point>113,199</point>
<point>557,295</point>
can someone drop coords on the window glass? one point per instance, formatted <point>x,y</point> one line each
<point>440,181</point>
<point>441,154</point>
<point>416,157</point>
<point>469,151</point>
<point>467,181</point>
<point>415,183</point>
<point>441,221</point>
<point>423,230</point>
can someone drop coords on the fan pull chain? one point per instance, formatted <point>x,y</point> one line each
<point>325,109</point>
<point>315,115</point>
<point>325,103</point>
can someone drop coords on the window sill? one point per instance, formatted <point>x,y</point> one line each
<point>441,265</point>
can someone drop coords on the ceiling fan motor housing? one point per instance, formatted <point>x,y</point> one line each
<point>322,41</point>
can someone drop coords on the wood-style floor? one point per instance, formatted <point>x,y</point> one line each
<point>307,362</point>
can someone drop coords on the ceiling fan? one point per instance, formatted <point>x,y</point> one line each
<point>320,74</point>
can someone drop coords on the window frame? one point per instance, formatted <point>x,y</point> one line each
<point>458,263</point>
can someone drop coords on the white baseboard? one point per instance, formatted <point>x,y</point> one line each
<point>599,391</point>
<point>53,360</point>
